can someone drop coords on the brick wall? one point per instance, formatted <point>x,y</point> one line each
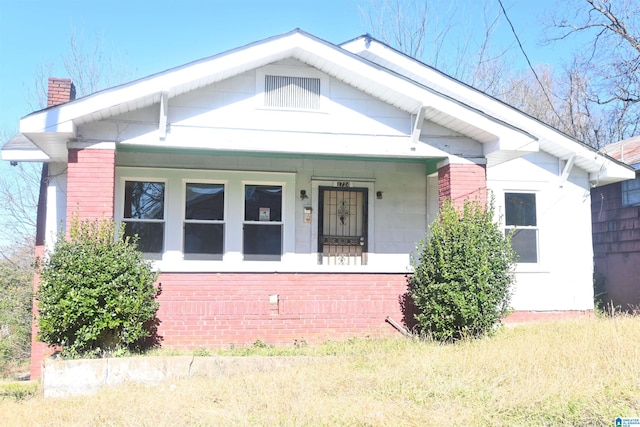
<point>214,310</point>
<point>90,183</point>
<point>616,245</point>
<point>460,182</point>
<point>39,350</point>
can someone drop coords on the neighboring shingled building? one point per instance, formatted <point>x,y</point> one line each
<point>616,232</point>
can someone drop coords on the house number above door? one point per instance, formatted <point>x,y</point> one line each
<point>343,184</point>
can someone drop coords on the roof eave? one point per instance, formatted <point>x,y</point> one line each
<point>24,155</point>
<point>610,173</point>
<point>20,148</point>
<point>358,71</point>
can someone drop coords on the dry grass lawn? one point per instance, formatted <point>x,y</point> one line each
<point>573,373</point>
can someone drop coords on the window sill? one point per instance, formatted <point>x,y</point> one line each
<point>531,268</point>
<point>292,264</point>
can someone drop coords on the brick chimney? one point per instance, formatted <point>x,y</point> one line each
<point>60,91</point>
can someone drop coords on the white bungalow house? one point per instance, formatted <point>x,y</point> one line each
<point>280,187</point>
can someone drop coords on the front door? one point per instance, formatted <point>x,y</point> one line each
<point>342,234</point>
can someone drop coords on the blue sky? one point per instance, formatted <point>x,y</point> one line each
<point>151,36</point>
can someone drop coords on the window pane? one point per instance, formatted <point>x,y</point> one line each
<point>203,241</point>
<point>520,209</point>
<point>144,200</point>
<point>151,235</point>
<point>262,242</point>
<point>632,184</point>
<point>263,203</point>
<point>204,201</point>
<point>631,198</point>
<point>631,192</point>
<point>525,243</point>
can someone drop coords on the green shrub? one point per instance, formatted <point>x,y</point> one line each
<point>462,274</point>
<point>16,289</point>
<point>97,294</point>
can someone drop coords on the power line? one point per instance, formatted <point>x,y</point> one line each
<point>513,30</point>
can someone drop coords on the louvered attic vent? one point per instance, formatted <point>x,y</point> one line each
<point>292,92</point>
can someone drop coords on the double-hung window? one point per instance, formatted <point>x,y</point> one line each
<point>262,228</point>
<point>143,215</point>
<point>521,221</point>
<point>203,226</point>
<point>208,220</point>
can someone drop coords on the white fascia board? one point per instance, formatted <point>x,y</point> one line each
<point>93,145</point>
<point>601,168</point>
<point>363,75</point>
<point>211,70</point>
<point>51,120</point>
<point>550,139</point>
<point>454,107</point>
<point>24,156</point>
<point>441,82</point>
<point>609,173</point>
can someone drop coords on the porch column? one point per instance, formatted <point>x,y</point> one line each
<point>59,91</point>
<point>91,182</point>
<point>459,182</point>
<point>90,195</point>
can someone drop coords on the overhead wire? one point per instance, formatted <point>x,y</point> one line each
<point>504,12</point>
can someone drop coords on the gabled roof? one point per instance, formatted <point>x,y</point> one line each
<point>549,139</point>
<point>364,63</point>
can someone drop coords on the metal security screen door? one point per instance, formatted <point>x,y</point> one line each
<point>342,234</point>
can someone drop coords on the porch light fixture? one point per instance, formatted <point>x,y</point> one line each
<point>303,194</point>
<point>379,195</point>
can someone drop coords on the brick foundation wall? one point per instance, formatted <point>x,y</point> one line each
<point>209,310</point>
<point>91,183</point>
<point>460,182</point>
<point>39,350</point>
<point>214,310</point>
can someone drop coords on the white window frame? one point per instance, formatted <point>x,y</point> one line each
<point>201,221</point>
<point>175,180</point>
<point>121,206</point>
<point>269,223</point>
<point>536,228</point>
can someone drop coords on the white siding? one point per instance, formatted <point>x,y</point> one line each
<point>235,106</point>
<point>562,280</point>
<point>449,141</point>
